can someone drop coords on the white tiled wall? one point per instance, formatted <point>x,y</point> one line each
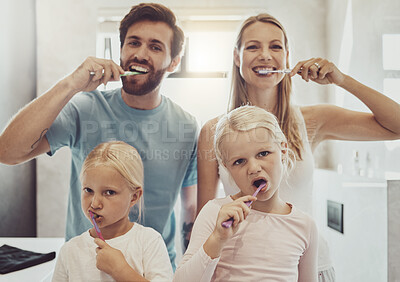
<point>361,252</point>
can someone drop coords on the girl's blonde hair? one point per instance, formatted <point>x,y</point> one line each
<point>284,110</point>
<point>123,158</point>
<point>244,119</point>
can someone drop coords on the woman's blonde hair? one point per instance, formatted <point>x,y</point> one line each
<point>123,158</point>
<point>244,119</point>
<point>284,110</point>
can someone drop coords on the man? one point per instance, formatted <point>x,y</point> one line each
<point>138,114</point>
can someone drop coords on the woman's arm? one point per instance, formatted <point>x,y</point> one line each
<point>332,122</point>
<point>386,112</point>
<point>207,165</point>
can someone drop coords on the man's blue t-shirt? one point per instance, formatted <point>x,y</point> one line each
<point>165,137</point>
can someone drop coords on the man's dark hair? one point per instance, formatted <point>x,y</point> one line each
<point>155,13</point>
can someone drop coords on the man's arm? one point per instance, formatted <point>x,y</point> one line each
<point>24,137</point>
<point>188,213</point>
<point>207,165</point>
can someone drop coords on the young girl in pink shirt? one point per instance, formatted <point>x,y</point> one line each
<point>269,241</point>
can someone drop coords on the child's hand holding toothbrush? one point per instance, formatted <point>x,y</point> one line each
<point>113,262</point>
<point>108,259</point>
<point>238,210</point>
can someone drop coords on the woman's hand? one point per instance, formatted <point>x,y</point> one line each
<point>320,71</point>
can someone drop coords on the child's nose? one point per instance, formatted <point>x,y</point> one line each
<point>253,167</point>
<point>96,202</point>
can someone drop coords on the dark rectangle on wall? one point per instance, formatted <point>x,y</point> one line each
<point>18,200</point>
<point>335,215</point>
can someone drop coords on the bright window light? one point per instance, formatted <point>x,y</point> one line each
<point>391,51</point>
<point>210,51</point>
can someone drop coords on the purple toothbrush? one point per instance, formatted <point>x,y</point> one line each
<point>95,226</point>
<point>228,223</point>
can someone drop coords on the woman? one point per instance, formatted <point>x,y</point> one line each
<point>262,46</point>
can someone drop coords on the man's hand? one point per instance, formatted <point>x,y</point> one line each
<point>103,71</point>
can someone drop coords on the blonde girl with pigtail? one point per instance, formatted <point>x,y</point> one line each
<point>115,249</point>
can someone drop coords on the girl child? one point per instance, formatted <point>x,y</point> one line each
<point>112,183</point>
<point>262,45</point>
<point>272,240</point>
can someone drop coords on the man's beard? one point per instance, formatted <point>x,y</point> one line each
<point>152,82</point>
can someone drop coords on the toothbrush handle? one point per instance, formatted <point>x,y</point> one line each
<point>96,228</point>
<point>228,223</point>
<point>286,71</point>
<point>124,74</point>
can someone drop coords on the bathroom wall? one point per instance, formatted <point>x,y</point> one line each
<point>66,36</point>
<point>18,86</point>
<point>360,253</point>
<point>358,48</point>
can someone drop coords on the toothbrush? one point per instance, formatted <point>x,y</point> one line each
<point>228,223</point>
<point>285,71</point>
<point>274,71</point>
<point>124,74</point>
<point>95,226</point>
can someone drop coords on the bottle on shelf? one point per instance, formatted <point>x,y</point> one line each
<point>356,163</point>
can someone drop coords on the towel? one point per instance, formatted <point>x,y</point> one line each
<point>13,259</point>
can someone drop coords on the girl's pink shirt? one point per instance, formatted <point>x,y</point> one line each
<point>267,247</point>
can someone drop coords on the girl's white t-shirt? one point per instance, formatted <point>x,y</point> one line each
<point>142,247</point>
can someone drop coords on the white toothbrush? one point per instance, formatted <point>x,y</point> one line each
<point>124,74</point>
<point>274,71</point>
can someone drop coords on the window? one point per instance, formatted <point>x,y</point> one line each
<point>210,51</point>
